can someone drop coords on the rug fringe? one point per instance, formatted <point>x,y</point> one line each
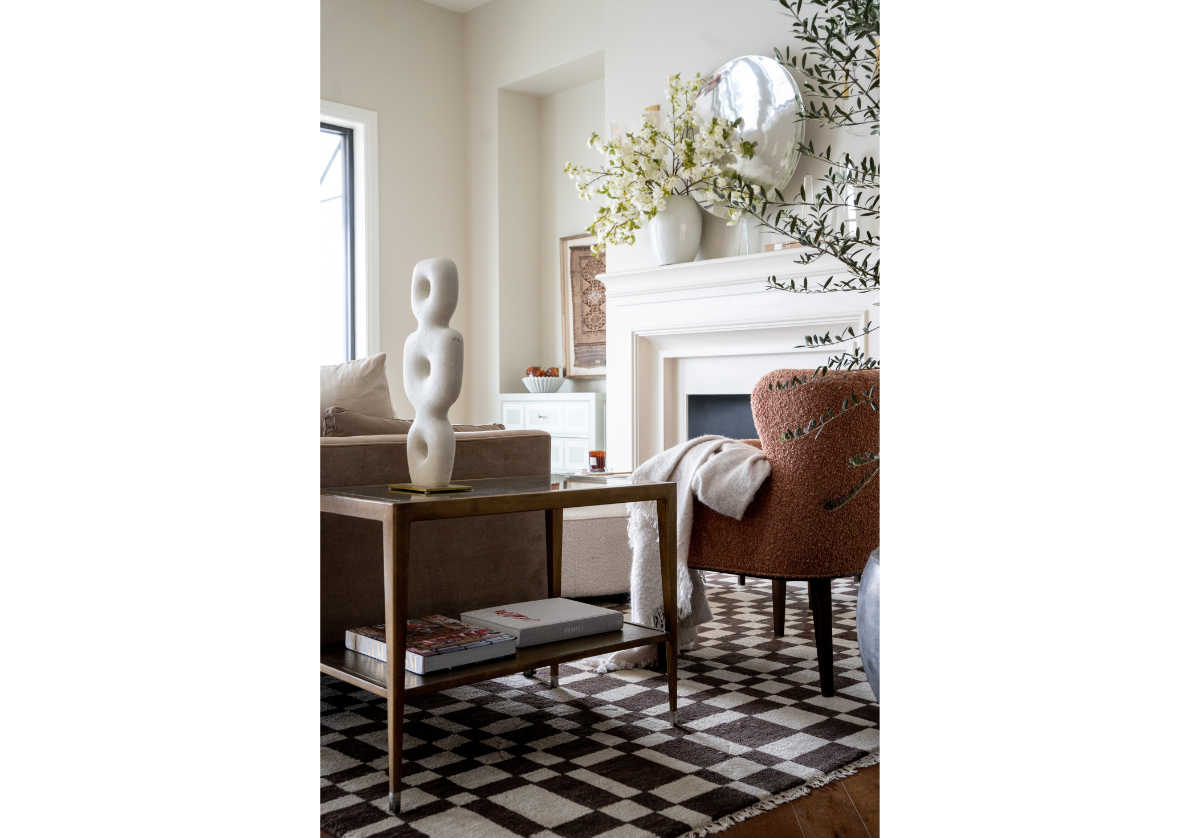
<point>782,797</point>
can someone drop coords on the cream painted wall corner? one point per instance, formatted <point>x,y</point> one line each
<point>405,60</point>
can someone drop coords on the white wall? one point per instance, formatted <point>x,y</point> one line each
<point>404,59</point>
<point>526,44</point>
<point>507,42</point>
<point>568,117</point>
<point>519,178</point>
<point>448,86</point>
<point>537,205</point>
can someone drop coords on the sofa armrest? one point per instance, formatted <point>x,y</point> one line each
<point>383,458</point>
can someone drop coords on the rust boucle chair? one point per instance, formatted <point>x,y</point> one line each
<point>789,532</point>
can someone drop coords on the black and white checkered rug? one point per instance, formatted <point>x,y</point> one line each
<point>596,757</point>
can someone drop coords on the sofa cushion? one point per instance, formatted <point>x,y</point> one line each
<point>360,386</point>
<point>338,421</point>
<point>383,458</point>
<point>596,556</point>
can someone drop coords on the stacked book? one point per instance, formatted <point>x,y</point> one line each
<point>435,643</point>
<point>546,620</point>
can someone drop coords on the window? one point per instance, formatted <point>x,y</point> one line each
<point>337,238</point>
<point>348,247</point>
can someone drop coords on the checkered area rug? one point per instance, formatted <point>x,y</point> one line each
<point>597,757</point>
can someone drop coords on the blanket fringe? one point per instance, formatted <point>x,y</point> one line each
<point>658,620</point>
<point>766,805</point>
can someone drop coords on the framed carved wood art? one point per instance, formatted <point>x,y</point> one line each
<point>583,307</point>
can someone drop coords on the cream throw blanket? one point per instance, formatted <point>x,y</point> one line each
<point>723,474</point>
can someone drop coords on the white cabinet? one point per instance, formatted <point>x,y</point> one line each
<point>544,417</point>
<point>575,422</point>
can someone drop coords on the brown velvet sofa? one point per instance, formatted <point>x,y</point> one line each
<point>455,565</point>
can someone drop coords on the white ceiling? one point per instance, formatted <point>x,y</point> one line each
<point>458,5</point>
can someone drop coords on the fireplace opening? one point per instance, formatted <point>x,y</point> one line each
<point>725,414</point>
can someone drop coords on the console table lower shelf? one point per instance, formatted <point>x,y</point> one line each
<point>550,494</point>
<point>371,675</point>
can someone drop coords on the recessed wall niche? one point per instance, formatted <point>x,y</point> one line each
<point>543,121</point>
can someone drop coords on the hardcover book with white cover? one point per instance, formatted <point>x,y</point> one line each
<point>546,620</point>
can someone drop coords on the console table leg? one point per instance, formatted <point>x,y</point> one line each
<point>531,674</point>
<point>554,535</point>
<point>668,569</point>
<point>395,606</point>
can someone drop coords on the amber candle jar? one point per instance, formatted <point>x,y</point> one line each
<point>596,460</point>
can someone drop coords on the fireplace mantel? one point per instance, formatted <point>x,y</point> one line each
<point>709,326</point>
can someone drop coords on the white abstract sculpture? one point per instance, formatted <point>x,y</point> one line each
<point>433,368</point>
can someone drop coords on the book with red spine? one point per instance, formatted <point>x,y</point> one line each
<point>434,643</point>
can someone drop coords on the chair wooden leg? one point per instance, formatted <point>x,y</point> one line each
<point>778,603</point>
<point>741,579</point>
<point>820,603</point>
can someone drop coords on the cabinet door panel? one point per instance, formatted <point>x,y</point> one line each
<point>544,416</point>
<point>575,453</point>
<point>576,419</point>
<point>513,414</point>
<point>558,462</point>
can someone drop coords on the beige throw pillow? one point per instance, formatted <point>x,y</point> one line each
<point>360,386</point>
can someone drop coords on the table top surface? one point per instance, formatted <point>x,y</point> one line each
<point>495,487</point>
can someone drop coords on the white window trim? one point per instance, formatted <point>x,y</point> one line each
<point>366,214</point>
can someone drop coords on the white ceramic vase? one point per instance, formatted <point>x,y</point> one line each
<point>675,231</point>
<point>433,369</point>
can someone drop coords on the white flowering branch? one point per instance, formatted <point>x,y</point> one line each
<point>646,167</point>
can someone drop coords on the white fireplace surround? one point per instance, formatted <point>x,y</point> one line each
<point>710,327</point>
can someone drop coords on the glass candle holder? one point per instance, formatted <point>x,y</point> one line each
<point>596,460</point>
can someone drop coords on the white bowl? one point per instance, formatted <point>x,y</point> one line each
<point>542,383</point>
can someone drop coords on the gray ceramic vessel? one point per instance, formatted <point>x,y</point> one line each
<point>868,621</point>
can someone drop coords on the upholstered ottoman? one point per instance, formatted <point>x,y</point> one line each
<point>596,554</point>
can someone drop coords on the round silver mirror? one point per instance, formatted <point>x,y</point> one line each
<point>766,96</point>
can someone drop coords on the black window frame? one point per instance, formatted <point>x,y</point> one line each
<point>347,135</point>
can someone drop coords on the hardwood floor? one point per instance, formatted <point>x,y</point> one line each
<point>848,808</point>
